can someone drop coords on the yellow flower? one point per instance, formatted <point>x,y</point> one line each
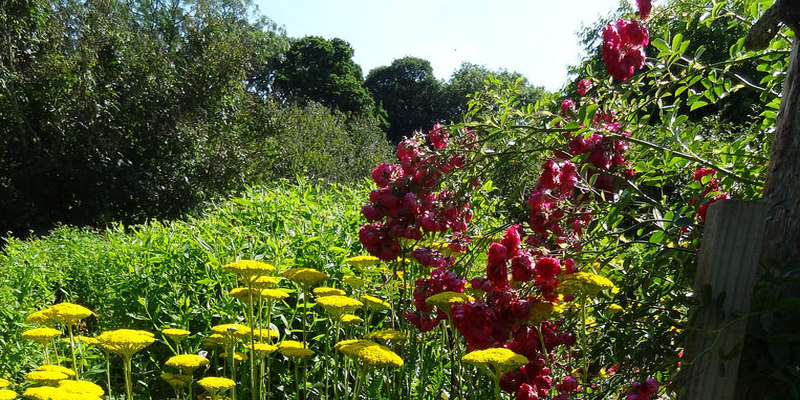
<point>46,377</point>
<point>543,310</point>
<point>501,360</point>
<point>262,349</point>
<point>39,317</point>
<point>214,385</point>
<point>4,383</point>
<point>293,348</point>
<point>125,342</point>
<point>265,334</point>
<point>236,356</point>
<point>350,319</point>
<point>304,276</point>
<point>369,353</point>
<point>232,330</point>
<point>57,368</point>
<point>187,362</point>
<point>353,281</point>
<point>613,309</point>
<point>41,335</point>
<point>328,291</point>
<point>6,394</point>
<point>87,340</point>
<point>375,303</point>
<point>67,313</point>
<point>584,284</point>
<point>245,294</point>
<point>273,294</point>
<point>362,261</point>
<point>81,387</point>
<point>386,335</point>
<point>53,393</point>
<point>248,268</point>
<point>262,281</point>
<point>338,305</point>
<point>444,300</point>
<point>213,340</point>
<point>177,381</point>
<point>176,334</point>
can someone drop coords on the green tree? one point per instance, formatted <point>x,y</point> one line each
<point>320,70</point>
<point>410,94</point>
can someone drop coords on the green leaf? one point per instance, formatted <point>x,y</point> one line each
<point>697,104</point>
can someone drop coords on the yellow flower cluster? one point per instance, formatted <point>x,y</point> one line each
<point>369,353</point>
<point>304,276</point>
<point>543,310</point>
<point>350,319</point>
<point>187,362</point>
<point>55,393</point>
<point>293,348</point>
<point>444,300</point>
<point>362,261</point>
<point>248,268</point>
<point>6,394</point>
<point>232,330</point>
<point>354,281</point>
<point>4,383</point>
<point>41,335</point>
<point>214,384</point>
<point>65,313</point>
<point>584,284</point>
<point>328,291</point>
<point>262,281</point>
<point>175,333</point>
<point>245,294</point>
<point>46,377</point>
<point>57,368</point>
<point>262,349</point>
<point>386,335</point>
<point>125,342</point>
<point>81,387</point>
<point>177,381</point>
<point>500,359</point>
<point>375,303</point>
<point>237,356</point>
<point>336,306</point>
<point>274,294</point>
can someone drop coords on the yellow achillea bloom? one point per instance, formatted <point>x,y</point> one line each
<point>274,294</point>
<point>262,281</point>
<point>354,281</point>
<point>262,349</point>
<point>350,319</point>
<point>444,300</point>
<point>248,268</point>
<point>232,330</point>
<point>81,387</point>
<point>613,309</point>
<point>543,310</point>
<point>584,284</point>
<point>125,342</point>
<point>177,381</point>
<point>236,356</point>
<point>67,313</point>
<point>304,276</point>
<point>370,354</point>
<point>57,368</point>
<point>39,317</point>
<point>53,393</point>
<point>265,334</point>
<point>336,306</point>
<point>328,291</point>
<point>386,335</point>
<point>362,260</point>
<point>375,303</point>
<point>4,383</point>
<point>87,340</point>
<point>213,340</point>
<point>245,294</point>
<point>41,335</point>
<point>175,333</point>
<point>500,360</point>
<point>187,363</point>
<point>293,348</point>
<point>6,394</point>
<point>46,377</point>
<point>214,385</point>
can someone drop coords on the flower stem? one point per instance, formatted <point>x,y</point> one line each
<point>127,372</point>
<point>584,343</point>
<point>362,374</point>
<point>72,348</point>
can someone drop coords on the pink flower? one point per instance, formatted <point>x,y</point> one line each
<point>583,86</point>
<point>644,6</point>
<point>567,105</point>
<point>438,137</point>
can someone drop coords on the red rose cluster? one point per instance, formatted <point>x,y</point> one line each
<point>643,391</point>
<point>441,280</point>
<point>624,42</point>
<point>405,203</point>
<point>711,187</point>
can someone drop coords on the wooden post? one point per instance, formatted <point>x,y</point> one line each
<point>725,278</point>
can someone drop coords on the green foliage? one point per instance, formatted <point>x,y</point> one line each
<point>321,70</point>
<point>409,92</point>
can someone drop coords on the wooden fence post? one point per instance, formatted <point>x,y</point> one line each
<point>724,281</point>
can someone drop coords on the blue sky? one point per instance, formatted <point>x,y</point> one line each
<point>536,38</point>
